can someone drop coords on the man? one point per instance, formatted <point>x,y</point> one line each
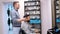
<point>26,26</point>
<point>15,18</point>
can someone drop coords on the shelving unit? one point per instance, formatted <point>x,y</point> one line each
<point>33,9</point>
<point>57,9</point>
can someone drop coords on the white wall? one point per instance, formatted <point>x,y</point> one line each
<point>21,10</point>
<point>1,21</point>
<point>46,15</point>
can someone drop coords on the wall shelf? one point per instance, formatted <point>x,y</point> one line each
<point>33,9</point>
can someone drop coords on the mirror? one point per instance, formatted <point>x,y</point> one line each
<point>31,7</point>
<point>56,15</point>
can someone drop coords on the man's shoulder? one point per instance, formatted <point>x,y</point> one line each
<point>13,11</point>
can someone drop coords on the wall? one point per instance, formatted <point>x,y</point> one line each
<point>46,15</point>
<point>21,10</point>
<point>1,21</point>
<point>53,12</point>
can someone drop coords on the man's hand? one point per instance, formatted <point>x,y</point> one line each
<point>37,33</point>
<point>20,20</point>
<point>23,19</point>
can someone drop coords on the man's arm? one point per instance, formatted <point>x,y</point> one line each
<point>22,19</point>
<point>13,16</point>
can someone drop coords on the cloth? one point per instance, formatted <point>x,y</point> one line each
<point>26,27</point>
<point>14,16</point>
<point>16,30</point>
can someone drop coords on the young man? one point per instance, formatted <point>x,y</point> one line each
<point>15,18</point>
<point>26,26</point>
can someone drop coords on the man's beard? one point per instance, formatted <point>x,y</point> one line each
<point>17,9</point>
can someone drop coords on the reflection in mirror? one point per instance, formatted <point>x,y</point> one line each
<point>57,9</point>
<point>57,15</point>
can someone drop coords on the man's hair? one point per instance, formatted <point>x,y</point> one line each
<point>15,2</point>
<point>26,15</point>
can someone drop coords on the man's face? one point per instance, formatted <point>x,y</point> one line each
<point>16,6</point>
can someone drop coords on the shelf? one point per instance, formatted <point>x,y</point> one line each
<point>57,0</point>
<point>28,4</point>
<point>57,9</point>
<point>57,13</point>
<point>32,14</point>
<point>30,1</point>
<point>57,16</point>
<point>35,23</point>
<point>32,5</point>
<point>33,10</point>
<point>57,4</point>
<point>35,18</point>
<point>57,22</point>
<point>35,15</point>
